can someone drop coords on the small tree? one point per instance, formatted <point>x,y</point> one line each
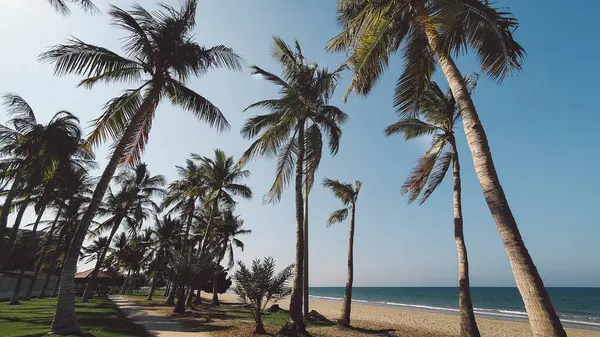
<point>258,286</point>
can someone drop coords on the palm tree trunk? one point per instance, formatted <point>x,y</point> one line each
<point>215,205</point>
<point>38,267</point>
<point>125,282</point>
<point>198,299</point>
<point>171,298</point>
<point>42,293</point>
<point>305,279</point>
<point>347,304</point>
<point>31,250</point>
<point>180,306</point>
<point>190,296</point>
<point>65,318</point>
<point>89,289</point>
<point>468,324</point>
<point>259,328</point>
<point>295,324</point>
<point>215,298</point>
<point>152,286</point>
<point>188,226</point>
<point>14,232</point>
<point>167,289</point>
<point>56,290</point>
<point>4,215</point>
<point>542,316</point>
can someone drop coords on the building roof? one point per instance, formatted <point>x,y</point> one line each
<point>88,274</point>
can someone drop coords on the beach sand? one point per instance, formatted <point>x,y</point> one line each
<point>415,323</point>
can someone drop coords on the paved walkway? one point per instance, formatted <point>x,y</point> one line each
<point>156,324</point>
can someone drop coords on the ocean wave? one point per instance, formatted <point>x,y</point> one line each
<point>581,320</point>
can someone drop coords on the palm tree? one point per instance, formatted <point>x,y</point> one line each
<point>430,30</point>
<point>438,115</point>
<point>227,238</point>
<point>182,194</point>
<point>51,154</point>
<point>348,194</point>
<point>77,183</point>
<point>305,90</point>
<point>72,196</point>
<point>93,252</point>
<point>137,188</point>
<point>166,233</point>
<point>31,153</point>
<point>258,285</point>
<point>161,55</point>
<point>223,179</point>
<point>62,7</point>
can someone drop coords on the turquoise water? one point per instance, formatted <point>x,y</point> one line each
<point>574,305</point>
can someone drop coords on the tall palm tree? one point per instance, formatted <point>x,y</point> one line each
<point>72,211</point>
<point>77,184</point>
<point>137,188</point>
<point>166,233</point>
<point>437,116</point>
<point>61,6</point>
<point>162,56</point>
<point>304,93</point>
<point>31,152</point>
<point>426,31</point>
<point>51,154</point>
<point>227,240</point>
<point>348,194</point>
<point>182,194</point>
<point>223,178</point>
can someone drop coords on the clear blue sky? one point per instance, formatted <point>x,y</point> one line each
<point>541,123</point>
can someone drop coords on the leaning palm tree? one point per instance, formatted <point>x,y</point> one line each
<point>165,235</point>
<point>348,194</point>
<point>426,31</point>
<point>223,179</point>
<point>258,285</point>
<point>437,116</point>
<point>161,57</point>
<point>77,184</point>
<point>183,193</point>
<point>61,6</point>
<point>305,90</point>
<point>133,202</point>
<point>49,154</point>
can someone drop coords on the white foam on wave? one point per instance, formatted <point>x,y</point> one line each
<point>419,306</point>
<point>482,311</point>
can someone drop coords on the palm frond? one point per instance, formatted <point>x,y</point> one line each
<point>419,66</point>
<point>313,145</point>
<point>202,108</point>
<point>80,58</point>
<point>269,77</point>
<point>115,118</point>
<point>344,191</point>
<point>284,172</point>
<point>489,31</point>
<point>437,174</point>
<point>411,128</point>
<point>337,216</point>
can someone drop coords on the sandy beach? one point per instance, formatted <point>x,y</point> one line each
<point>415,323</point>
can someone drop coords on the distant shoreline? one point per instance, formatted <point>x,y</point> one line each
<point>426,322</point>
<point>450,311</point>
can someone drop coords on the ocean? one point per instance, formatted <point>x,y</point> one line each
<point>577,306</point>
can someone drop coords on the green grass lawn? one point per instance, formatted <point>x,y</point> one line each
<point>98,317</point>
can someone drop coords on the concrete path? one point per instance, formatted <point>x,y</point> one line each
<point>156,324</point>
